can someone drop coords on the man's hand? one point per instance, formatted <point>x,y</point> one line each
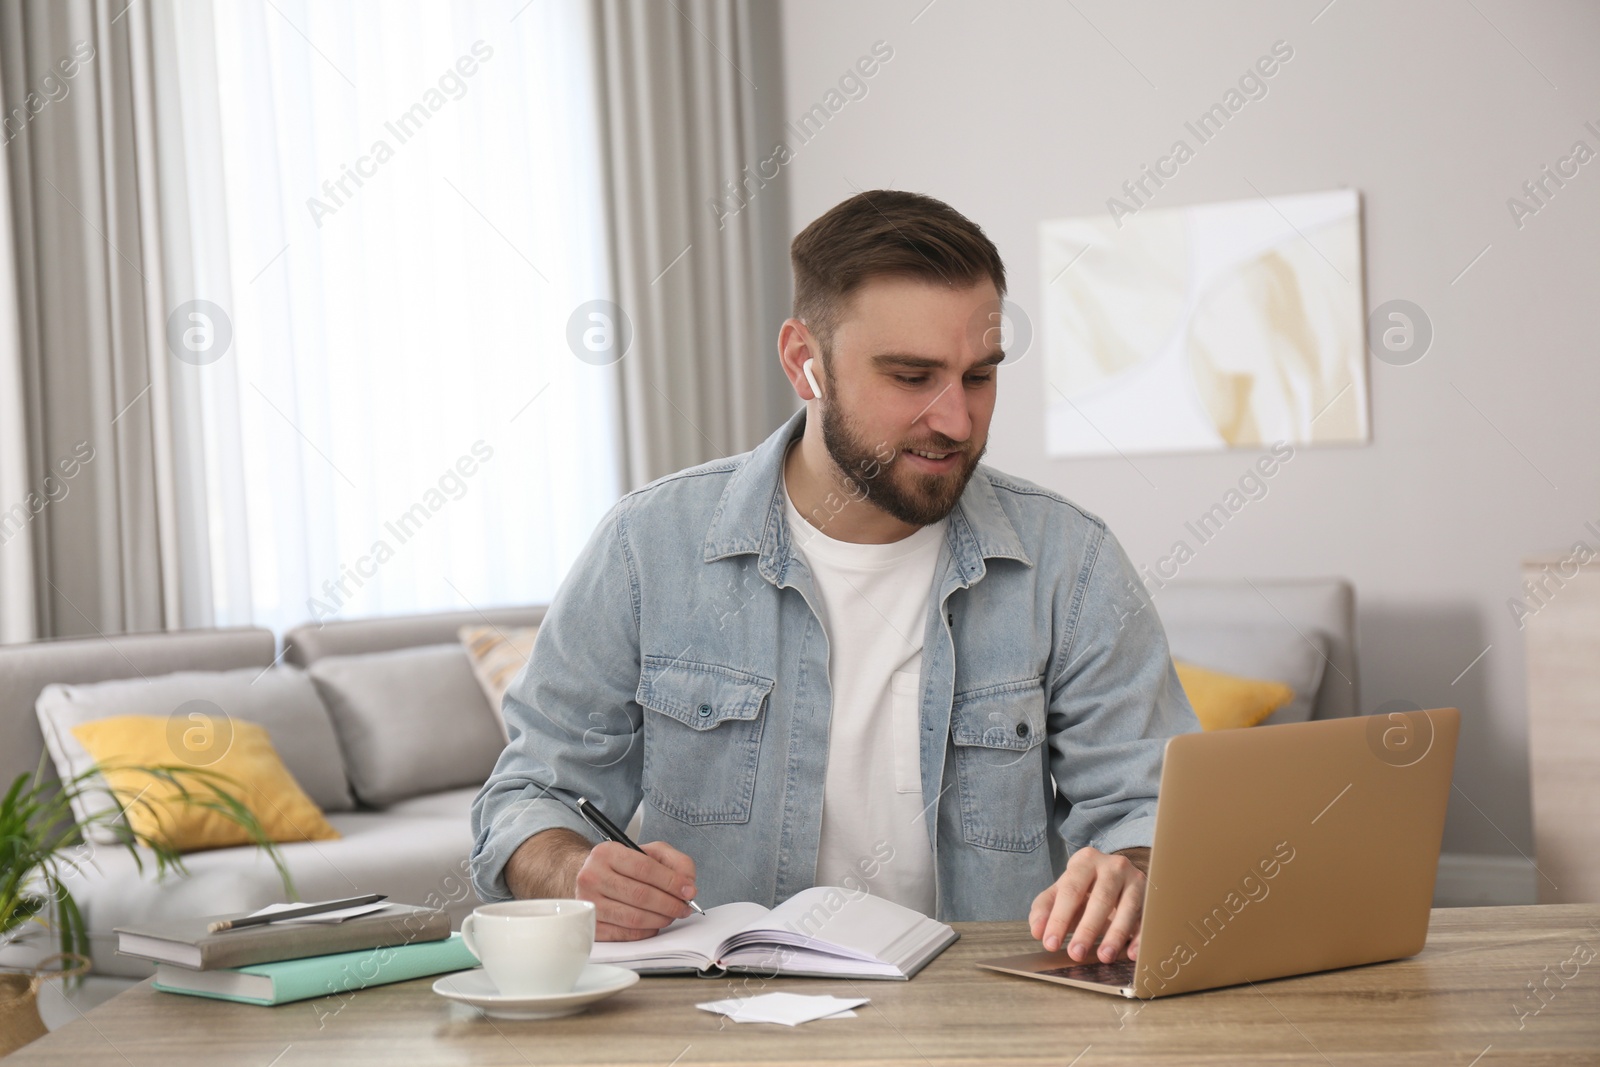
<point>1099,898</point>
<point>634,895</point>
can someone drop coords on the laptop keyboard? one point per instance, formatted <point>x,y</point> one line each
<point>1119,973</point>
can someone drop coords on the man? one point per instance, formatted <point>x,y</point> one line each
<point>852,656</point>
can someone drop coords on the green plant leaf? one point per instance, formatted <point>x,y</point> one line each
<point>38,833</point>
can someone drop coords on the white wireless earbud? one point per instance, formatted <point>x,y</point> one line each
<point>805,368</point>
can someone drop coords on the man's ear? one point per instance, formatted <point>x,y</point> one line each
<point>797,354</point>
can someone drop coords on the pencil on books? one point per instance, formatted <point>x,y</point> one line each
<point>308,910</point>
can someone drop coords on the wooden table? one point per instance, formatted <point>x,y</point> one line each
<point>1456,1003</point>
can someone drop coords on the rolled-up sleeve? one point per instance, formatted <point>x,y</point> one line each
<point>573,721</point>
<point>1114,701</point>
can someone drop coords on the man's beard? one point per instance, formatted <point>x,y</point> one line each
<point>915,499</point>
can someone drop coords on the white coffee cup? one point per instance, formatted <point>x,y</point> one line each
<point>532,948</point>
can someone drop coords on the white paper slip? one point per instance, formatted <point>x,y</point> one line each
<point>789,1009</point>
<point>326,917</point>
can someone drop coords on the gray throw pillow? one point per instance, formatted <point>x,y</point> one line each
<point>198,706</point>
<point>411,721</point>
<point>1270,653</point>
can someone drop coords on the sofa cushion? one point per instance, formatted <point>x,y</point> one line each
<point>1224,701</point>
<point>498,655</point>
<point>414,859</point>
<point>198,705</point>
<point>181,811</point>
<point>450,804</point>
<point>26,668</point>
<point>309,642</point>
<point>1322,609</point>
<point>1273,653</point>
<point>410,722</point>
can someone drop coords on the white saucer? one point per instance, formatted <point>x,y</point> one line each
<point>597,982</point>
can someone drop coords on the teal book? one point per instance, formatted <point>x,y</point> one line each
<point>319,976</point>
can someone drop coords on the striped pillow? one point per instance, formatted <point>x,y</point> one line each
<point>497,654</point>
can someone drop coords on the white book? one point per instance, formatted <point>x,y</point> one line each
<point>822,932</point>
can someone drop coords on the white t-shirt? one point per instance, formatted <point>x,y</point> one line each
<point>874,607</point>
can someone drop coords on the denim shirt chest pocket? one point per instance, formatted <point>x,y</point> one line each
<point>997,732</point>
<point>702,738</point>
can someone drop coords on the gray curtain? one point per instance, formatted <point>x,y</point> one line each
<point>692,96</point>
<point>691,113</point>
<point>18,618</point>
<point>91,413</point>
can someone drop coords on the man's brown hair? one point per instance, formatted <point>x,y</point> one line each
<point>885,232</point>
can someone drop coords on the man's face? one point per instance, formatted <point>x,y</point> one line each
<point>910,390</point>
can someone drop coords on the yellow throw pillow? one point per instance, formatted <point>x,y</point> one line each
<point>1228,702</point>
<point>258,780</point>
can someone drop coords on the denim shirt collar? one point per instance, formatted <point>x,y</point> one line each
<point>749,517</point>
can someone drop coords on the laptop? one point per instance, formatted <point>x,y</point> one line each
<point>1283,850</point>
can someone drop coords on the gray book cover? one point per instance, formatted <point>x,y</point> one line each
<point>186,942</point>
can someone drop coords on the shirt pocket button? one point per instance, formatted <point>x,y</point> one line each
<point>1022,729</point>
<point>705,711</point>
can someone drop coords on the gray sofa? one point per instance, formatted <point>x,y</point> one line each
<point>415,848</point>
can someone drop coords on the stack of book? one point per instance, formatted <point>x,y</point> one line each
<point>286,961</point>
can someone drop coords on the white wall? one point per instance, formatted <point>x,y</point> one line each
<point>1016,112</point>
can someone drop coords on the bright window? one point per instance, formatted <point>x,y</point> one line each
<point>410,201</point>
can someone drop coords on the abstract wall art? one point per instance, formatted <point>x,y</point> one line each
<point>1215,326</point>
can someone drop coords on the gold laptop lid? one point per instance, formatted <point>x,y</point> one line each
<point>1283,850</point>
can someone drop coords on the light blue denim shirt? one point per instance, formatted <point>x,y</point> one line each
<point>682,664</point>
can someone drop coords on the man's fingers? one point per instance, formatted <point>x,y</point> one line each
<point>616,876</point>
<point>1096,913</point>
<point>1071,890</point>
<point>646,868</point>
<point>612,932</point>
<point>617,913</point>
<point>1099,898</point>
<point>1063,911</point>
<point>677,861</point>
<point>611,906</point>
<point>640,879</point>
<point>623,889</point>
<point>1040,912</point>
<point>1125,923</point>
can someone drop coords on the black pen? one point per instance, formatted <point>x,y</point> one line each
<point>610,831</point>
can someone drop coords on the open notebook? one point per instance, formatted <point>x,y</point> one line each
<point>820,932</point>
